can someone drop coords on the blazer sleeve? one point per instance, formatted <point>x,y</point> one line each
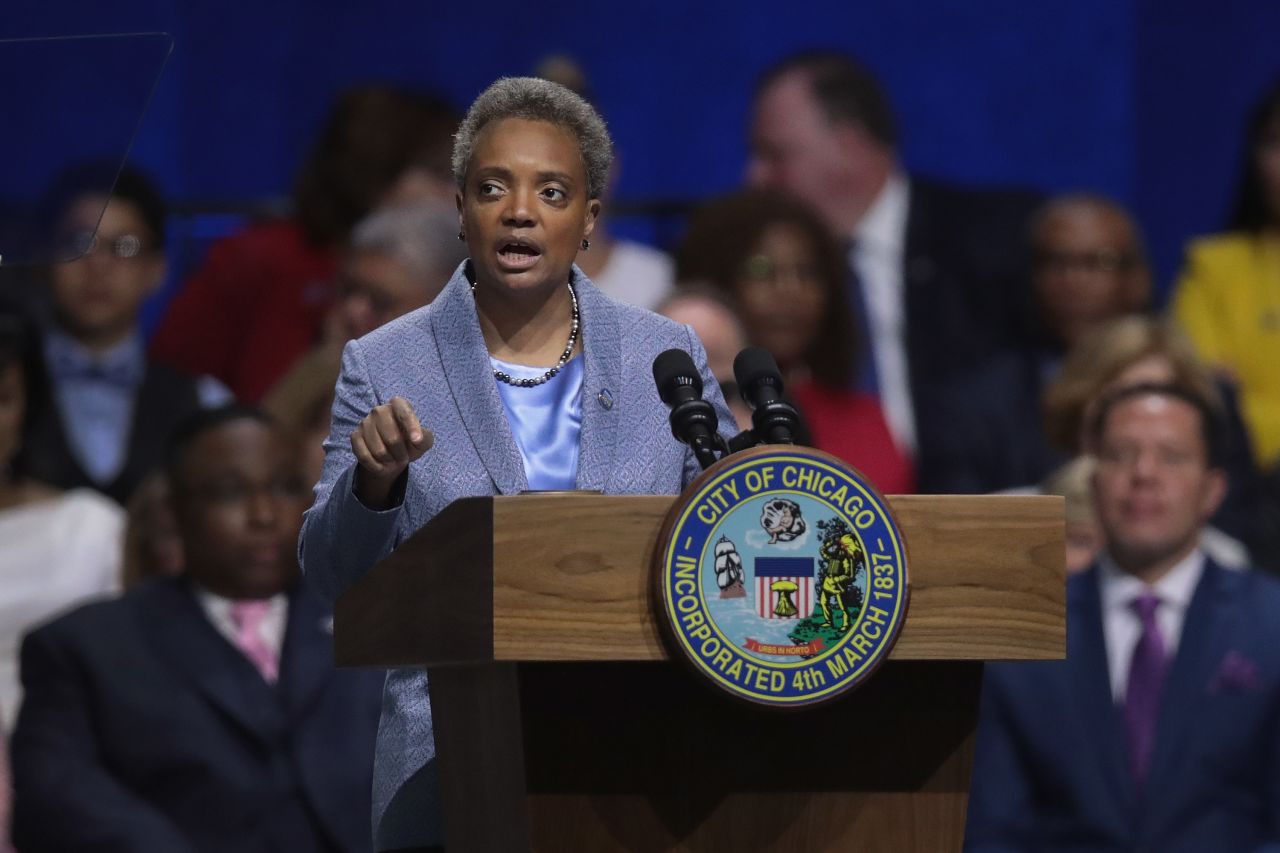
<point>341,538</point>
<point>64,798</point>
<point>999,807</point>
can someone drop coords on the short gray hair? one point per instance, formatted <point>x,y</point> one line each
<point>535,99</point>
<point>421,237</point>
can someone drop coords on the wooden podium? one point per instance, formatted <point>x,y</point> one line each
<point>561,724</point>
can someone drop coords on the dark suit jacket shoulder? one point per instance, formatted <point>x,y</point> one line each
<point>967,275</point>
<point>984,431</point>
<point>163,400</point>
<point>143,729</point>
<point>1050,770</point>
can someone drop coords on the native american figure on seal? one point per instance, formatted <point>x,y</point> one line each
<point>781,519</point>
<point>842,558</point>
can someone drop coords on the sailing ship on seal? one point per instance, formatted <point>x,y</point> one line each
<point>729,574</point>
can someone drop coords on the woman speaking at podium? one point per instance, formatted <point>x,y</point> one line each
<point>520,375</point>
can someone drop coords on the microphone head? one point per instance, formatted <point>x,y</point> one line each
<point>756,365</point>
<point>673,370</point>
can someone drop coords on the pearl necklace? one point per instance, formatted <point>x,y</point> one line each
<point>564,356</point>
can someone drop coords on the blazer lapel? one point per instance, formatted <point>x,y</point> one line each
<point>602,375</point>
<point>184,637</point>
<point>455,330</point>
<point>1087,652</point>
<point>306,659</point>
<point>1205,638</point>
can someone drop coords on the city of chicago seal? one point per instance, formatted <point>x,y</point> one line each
<point>782,576</point>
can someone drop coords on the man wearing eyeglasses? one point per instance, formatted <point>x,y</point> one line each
<point>985,429</point>
<point>111,408</point>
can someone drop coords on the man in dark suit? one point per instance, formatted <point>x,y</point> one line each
<point>1161,729</point>
<point>985,431</point>
<point>937,273</point>
<point>202,713</point>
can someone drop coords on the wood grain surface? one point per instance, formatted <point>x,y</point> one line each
<point>571,576</point>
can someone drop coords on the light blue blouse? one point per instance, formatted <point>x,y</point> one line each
<point>546,421</point>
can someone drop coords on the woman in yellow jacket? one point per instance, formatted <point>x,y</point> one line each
<point>1228,297</point>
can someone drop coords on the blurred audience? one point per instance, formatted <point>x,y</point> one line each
<point>204,712</point>
<point>59,548</point>
<point>955,339</point>
<point>1158,731</point>
<point>152,546</point>
<point>261,298</point>
<point>983,430</point>
<point>111,407</point>
<point>302,405</point>
<point>714,319</point>
<point>1089,266</point>
<point>936,275</point>
<point>624,269</point>
<point>776,260</point>
<point>1134,350</point>
<point>1228,297</point>
<point>1074,482</point>
<point>6,797</point>
<point>397,260</point>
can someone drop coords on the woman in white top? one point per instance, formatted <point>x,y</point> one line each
<point>59,548</point>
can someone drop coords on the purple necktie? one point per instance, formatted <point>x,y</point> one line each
<point>1146,678</point>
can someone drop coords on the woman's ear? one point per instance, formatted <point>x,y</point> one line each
<point>593,214</point>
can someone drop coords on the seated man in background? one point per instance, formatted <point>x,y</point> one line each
<point>935,274</point>
<point>111,409</point>
<point>397,260</point>
<point>1160,730</point>
<point>201,713</point>
<point>984,431</point>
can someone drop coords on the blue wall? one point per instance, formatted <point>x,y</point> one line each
<point>1142,99</point>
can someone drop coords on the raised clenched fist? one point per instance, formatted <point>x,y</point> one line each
<point>385,442</point>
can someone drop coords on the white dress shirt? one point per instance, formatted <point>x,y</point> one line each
<point>96,393</point>
<point>1121,627</point>
<point>878,257</point>
<point>218,609</point>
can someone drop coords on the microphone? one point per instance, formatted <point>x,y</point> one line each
<point>772,418</point>
<point>693,419</point>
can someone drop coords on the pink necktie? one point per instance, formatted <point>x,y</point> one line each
<point>248,617</point>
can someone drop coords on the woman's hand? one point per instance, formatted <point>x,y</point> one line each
<point>385,442</point>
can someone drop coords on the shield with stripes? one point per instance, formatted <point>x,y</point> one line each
<point>784,587</point>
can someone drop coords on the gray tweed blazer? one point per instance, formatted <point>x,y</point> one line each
<point>436,358</point>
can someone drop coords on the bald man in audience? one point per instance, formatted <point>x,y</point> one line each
<point>716,323</point>
<point>984,431</point>
<point>202,713</point>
